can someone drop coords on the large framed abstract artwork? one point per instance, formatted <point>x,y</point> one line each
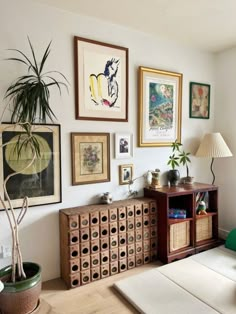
<point>160,103</point>
<point>90,154</point>
<point>41,182</point>
<point>101,80</point>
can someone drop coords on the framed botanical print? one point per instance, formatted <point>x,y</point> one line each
<point>160,104</point>
<point>101,80</point>
<point>199,100</point>
<point>90,154</point>
<point>40,181</point>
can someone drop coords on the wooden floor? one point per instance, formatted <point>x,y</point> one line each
<point>96,297</point>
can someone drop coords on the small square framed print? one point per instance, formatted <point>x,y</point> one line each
<point>125,174</point>
<point>199,100</point>
<point>123,145</point>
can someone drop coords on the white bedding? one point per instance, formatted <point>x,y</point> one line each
<point>202,283</point>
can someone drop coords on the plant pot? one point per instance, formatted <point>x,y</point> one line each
<point>173,177</point>
<point>22,296</point>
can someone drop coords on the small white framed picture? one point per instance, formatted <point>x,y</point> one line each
<point>125,174</point>
<point>123,145</point>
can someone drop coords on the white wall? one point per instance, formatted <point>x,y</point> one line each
<point>225,123</point>
<point>40,230</point>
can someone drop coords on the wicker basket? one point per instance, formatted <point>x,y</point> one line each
<point>179,235</point>
<point>204,228</point>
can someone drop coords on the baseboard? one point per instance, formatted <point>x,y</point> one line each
<point>223,233</point>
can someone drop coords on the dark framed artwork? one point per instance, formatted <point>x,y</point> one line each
<point>125,173</point>
<point>90,154</point>
<point>160,107</point>
<point>199,100</point>
<point>41,182</point>
<point>101,80</point>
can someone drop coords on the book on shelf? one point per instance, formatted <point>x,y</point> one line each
<point>177,213</point>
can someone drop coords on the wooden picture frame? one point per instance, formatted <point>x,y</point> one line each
<point>160,107</point>
<point>41,182</point>
<point>90,154</point>
<point>101,80</point>
<point>199,100</point>
<point>123,145</point>
<point>125,173</point>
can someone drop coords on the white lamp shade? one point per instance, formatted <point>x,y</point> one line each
<point>214,146</point>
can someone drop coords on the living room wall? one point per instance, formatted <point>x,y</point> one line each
<point>39,231</point>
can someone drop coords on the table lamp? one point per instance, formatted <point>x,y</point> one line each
<point>213,146</point>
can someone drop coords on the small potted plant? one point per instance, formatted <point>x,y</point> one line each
<point>185,160</point>
<point>29,104</point>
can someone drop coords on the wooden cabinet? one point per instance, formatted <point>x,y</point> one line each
<point>97,241</point>
<point>181,237</point>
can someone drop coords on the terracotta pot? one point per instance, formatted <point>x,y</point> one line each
<point>21,297</point>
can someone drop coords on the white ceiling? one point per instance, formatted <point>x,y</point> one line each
<point>205,24</point>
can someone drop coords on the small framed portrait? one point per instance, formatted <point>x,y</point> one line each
<point>199,100</point>
<point>123,145</point>
<point>125,174</point>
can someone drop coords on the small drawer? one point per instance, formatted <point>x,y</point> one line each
<point>75,280</point>
<point>130,237</point>
<point>146,258</point>
<point>121,213</point>
<point>153,207</point>
<point>104,216</point>
<point>85,262</point>
<point>113,241</point>
<point>131,250</point>
<point>94,233</point>
<point>146,209</point>
<point>122,239</point>
<point>138,210</point>
<point>104,230</point>
<point>112,213</point>
<point>94,218</point>
<point>95,273</point>
<point>153,255</point>
<point>153,220</point>
<point>73,222</point>
<point>95,247</point>
<point>146,233</point>
<point>84,248</point>
<point>73,237</point>
<point>138,248</point>
<point>146,221</point>
<point>114,255</point>
<point>95,260</point>
<point>114,268</point>
<point>122,265</point>
<point>138,222</point>
<point>130,211</point>
<point>85,277</point>
<point>74,251</point>
<point>105,270</point>
<point>153,244</point>
<point>122,226</point>
<point>104,257</point>
<point>74,265</point>
<point>131,262</point>
<point>84,235</point>
<point>130,224</point>
<point>146,246</point>
<point>153,232</point>
<point>84,220</point>
<point>113,228</point>
<point>139,260</point>
<point>122,251</point>
<point>138,235</point>
<point>104,244</point>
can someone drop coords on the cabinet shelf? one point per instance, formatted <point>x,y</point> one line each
<point>181,237</point>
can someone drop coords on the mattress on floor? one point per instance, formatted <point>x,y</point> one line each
<point>203,283</point>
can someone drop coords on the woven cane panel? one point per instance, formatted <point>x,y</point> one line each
<point>179,235</point>
<point>204,228</point>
